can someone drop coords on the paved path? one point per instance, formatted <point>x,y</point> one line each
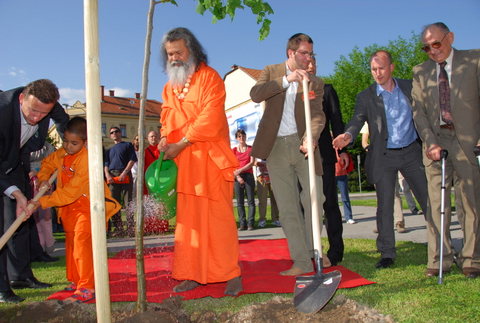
<point>363,229</point>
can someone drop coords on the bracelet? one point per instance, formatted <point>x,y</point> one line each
<point>185,140</point>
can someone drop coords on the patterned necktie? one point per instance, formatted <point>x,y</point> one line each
<point>444,94</point>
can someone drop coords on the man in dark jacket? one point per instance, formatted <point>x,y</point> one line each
<point>394,145</point>
<point>26,114</point>
<point>333,216</point>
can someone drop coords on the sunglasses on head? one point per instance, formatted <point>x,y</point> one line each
<point>114,131</point>
<point>435,45</point>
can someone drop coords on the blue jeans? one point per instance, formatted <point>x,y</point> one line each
<point>342,184</point>
<point>249,188</point>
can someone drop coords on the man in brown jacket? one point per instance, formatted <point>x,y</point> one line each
<point>280,140</point>
<point>446,110</point>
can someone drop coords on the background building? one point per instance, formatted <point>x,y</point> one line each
<point>241,111</point>
<point>117,111</point>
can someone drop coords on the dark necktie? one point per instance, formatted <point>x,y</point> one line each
<point>444,93</point>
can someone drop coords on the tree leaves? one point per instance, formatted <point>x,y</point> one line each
<point>352,73</point>
<point>221,9</point>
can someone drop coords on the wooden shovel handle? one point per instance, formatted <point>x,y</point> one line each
<point>317,243</point>
<point>11,230</point>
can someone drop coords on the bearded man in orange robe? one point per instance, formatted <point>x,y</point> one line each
<point>195,134</point>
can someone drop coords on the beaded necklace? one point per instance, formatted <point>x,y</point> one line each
<point>181,94</point>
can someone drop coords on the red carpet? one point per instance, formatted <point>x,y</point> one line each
<point>261,262</point>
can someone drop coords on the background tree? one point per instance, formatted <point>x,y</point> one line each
<point>352,75</point>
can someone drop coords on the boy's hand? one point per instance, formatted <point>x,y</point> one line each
<point>44,184</point>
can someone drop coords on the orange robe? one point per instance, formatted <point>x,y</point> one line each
<point>72,199</point>
<point>206,241</point>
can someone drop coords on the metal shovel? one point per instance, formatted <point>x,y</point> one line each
<point>312,293</point>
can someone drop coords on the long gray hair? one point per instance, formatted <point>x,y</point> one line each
<point>197,52</point>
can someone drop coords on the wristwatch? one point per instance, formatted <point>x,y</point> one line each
<point>185,140</point>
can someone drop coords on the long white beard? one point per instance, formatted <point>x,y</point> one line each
<point>179,71</point>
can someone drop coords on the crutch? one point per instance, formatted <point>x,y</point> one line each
<point>443,158</point>
<point>18,221</point>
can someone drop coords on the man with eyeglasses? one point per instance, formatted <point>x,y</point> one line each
<point>446,93</point>
<point>119,160</point>
<point>394,146</point>
<point>281,141</point>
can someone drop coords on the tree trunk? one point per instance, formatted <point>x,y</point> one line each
<point>141,285</point>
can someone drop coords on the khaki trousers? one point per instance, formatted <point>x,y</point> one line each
<point>466,177</point>
<point>288,169</point>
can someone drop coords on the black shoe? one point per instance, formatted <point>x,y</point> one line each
<point>334,261</point>
<point>334,258</point>
<point>31,282</point>
<point>45,257</point>
<point>10,297</point>
<point>384,263</point>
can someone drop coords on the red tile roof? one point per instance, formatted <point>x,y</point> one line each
<point>130,106</point>
<point>253,73</point>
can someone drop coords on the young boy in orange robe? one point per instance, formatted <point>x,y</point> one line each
<point>71,197</point>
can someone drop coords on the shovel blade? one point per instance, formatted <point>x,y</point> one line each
<point>312,293</point>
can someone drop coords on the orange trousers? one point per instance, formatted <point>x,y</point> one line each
<point>78,248</point>
<point>206,240</point>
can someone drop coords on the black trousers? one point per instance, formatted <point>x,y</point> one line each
<point>15,255</point>
<point>332,215</point>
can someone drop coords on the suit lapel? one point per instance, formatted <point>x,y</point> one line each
<point>13,155</point>
<point>378,109</point>
<point>432,84</point>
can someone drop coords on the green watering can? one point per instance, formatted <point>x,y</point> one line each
<point>161,182</point>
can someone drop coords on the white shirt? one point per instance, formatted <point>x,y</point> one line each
<point>288,125</point>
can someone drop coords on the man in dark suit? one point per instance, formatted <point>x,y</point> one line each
<point>446,94</point>
<point>26,114</point>
<point>334,124</point>
<point>280,140</point>
<point>394,146</point>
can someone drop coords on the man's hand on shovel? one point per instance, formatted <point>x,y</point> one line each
<point>24,210</point>
<point>22,205</point>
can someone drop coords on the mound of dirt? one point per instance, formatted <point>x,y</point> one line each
<point>278,309</point>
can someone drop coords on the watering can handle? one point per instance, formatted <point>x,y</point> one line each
<point>159,164</point>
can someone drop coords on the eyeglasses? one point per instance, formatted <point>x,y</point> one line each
<point>114,131</point>
<point>435,45</point>
<point>307,54</point>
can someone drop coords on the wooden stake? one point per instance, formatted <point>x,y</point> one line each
<point>95,161</point>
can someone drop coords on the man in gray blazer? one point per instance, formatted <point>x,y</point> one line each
<point>456,130</point>
<point>394,146</point>
<point>280,140</point>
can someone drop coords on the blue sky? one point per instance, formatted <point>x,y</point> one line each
<point>44,38</point>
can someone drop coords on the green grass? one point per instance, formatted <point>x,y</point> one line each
<point>373,202</point>
<point>402,291</point>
